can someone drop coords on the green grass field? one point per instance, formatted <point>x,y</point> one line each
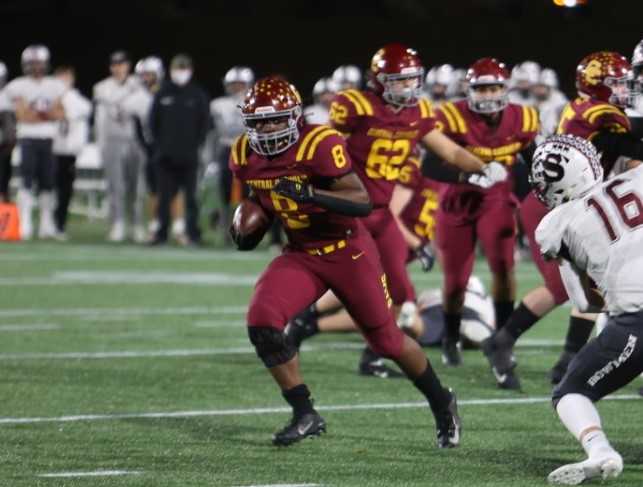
<point>121,359</point>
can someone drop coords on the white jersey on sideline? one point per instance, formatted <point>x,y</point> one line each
<point>40,95</point>
<point>228,123</point>
<point>549,112</point>
<point>603,233</point>
<point>73,131</point>
<point>139,105</point>
<point>111,118</point>
<point>317,114</point>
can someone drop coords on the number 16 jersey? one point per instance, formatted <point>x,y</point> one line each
<point>380,139</point>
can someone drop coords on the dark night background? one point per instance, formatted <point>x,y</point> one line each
<point>305,40</point>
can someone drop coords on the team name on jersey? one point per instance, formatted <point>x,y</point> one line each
<point>390,134</point>
<point>489,154</point>
<point>268,184</point>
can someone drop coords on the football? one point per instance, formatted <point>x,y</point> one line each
<point>249,224</point>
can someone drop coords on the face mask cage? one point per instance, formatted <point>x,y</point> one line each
<point>272,143</point>
<point>622,90</point>
<point>397,93</point>
<point>485,103</point>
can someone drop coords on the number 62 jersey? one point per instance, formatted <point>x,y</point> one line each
<point>380,140</point>
<point>602,234</point>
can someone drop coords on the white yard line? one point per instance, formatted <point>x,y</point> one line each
<point>280,485</point>
<point>103,312</point>
<point>27,327</point>
<point>95,473</point>
<point>190,352</point>
<point>274,410</point>
<point>102,278</point>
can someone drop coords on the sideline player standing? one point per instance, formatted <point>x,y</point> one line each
<point>495,130</point>
<point>595,232</point>
<point>303,175</point>
<point>36,98</point>
<point>121,153</point>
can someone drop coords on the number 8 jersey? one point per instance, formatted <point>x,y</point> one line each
<point>318,157</point>
<point>380,139</point>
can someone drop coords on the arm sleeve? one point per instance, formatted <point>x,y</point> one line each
<point>434,168</point>
<point>614,144</point>
<point>573,286</point>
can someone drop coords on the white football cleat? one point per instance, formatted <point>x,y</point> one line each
<point>607,467</point>
<point>117,232</point>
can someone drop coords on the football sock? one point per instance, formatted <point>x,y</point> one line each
<point>299,399</point>
<point>429,385</point>
<point>452,323</point>
<point>578,333</point>
<point>578,414</point>
<point>521,320</point>
<point>503,311</point>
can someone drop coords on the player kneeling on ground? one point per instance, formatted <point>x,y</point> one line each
<point>595,231</point>
<point>302,174</point>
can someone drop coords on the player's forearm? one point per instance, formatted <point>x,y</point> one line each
<point>350,202</point>
<point>466,161</point>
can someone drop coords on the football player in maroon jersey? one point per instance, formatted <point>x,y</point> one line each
<point>303,175</point>
<point>597,115</point>
<point>383,125</point>
<point>486,124</point>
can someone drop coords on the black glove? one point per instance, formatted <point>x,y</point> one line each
<point>425,255</point>
<point>299,192</point>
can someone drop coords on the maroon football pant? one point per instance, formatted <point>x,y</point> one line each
<point>494,225</point>
<point>295,279</point>
<point>393,252</point>
<point>532,212</point>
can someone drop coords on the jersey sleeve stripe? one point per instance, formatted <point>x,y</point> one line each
<point>450,120</point>
<point>535,121</point>
<point>355,102</point>
<point>424,110</point>
<point>366,105</point>
<point>318,139</point>
<point>234,151</point>
<point>304,143</point>
<point>526,116</point>
<point>599,113</point>
<point>243,159</point>
<point>461,127</point>
<point>589,111</point>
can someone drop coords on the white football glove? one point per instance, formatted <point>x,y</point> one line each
<point>495,171</point>
<point>480,180</point>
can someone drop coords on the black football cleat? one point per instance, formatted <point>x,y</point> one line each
<point>559,369</point>
<point>302,327</point>
<point>377,368</point>
<point>451,353</point>
<point>502,363</point>
<point>307,426</point>
<point>448,424</point>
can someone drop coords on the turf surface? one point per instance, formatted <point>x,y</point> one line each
<point>95,336</point>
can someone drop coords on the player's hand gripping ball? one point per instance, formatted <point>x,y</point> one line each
<point>249,224</point>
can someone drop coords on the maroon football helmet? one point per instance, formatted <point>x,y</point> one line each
<point>391,68</point>
<point>604,76</point>
<point>485,72</point>
<point>272,98</point>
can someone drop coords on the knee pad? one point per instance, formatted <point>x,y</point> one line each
<point>272,346</point>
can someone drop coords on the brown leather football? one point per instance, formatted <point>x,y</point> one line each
<point>249,224</point>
